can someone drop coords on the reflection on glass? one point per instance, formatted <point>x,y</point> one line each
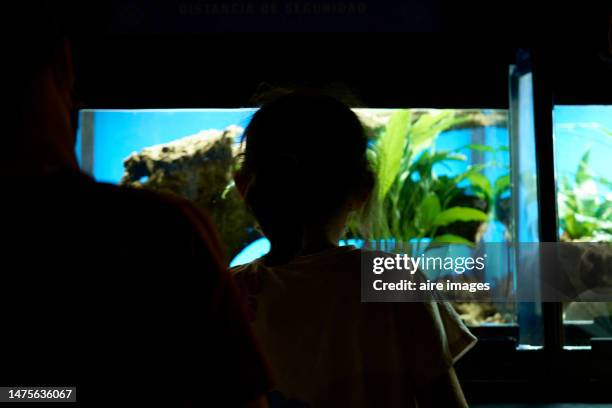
<point>583,148</point>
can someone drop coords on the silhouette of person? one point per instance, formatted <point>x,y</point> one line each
<point>122,293</point>
<point>305,170</point>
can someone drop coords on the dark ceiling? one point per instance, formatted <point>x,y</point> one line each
<point>388,53</point>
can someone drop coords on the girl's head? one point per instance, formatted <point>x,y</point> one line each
<point>304,167</point>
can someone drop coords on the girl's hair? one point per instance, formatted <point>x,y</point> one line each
<point>305,157</point>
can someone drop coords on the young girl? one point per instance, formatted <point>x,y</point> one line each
<point>304,171</point>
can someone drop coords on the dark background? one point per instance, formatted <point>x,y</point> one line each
<point>388,53</point>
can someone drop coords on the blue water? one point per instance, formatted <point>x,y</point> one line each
<point>118,133</point>
<point>494,137</point>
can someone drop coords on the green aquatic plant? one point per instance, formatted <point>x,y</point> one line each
<point>585,214</point>
<point>411,201</point>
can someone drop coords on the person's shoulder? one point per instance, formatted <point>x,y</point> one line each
<point>249,277</point>
<point>134,196</point>
<point>165,217</point>
<point>147,205</point>
<point>340,267</point>
<point>373,253</point>
<point>245,269</point>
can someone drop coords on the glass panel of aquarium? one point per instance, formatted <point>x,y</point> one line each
<point>583,171</point>
<point>525,213</point>
<point>443,176</point>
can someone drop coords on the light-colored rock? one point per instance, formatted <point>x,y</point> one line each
<point>199,168</point>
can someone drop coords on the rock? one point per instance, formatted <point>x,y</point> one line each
<point>198,168</point>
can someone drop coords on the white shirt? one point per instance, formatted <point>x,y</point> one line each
<point>328,349</point>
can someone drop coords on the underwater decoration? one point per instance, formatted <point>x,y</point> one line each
<point>585,213</point>
<point>583,144</point>
<point>411,201</point>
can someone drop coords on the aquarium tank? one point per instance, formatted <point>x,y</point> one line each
<point>443,175</point>
<point>583,172</point>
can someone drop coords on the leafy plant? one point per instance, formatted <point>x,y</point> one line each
<point>411,201</point>
<point>585,214</point>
